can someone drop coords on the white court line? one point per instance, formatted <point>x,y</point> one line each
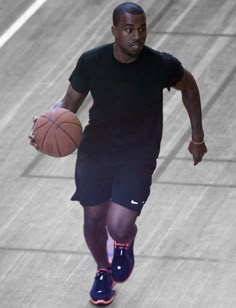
<point>11,114</point>
<point>5,37</point>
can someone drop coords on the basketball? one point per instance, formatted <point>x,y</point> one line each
<point>58,132</point>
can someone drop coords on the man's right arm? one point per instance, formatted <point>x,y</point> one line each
<point>72,100</point>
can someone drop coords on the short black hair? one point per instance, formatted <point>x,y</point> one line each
<point>129,7</point>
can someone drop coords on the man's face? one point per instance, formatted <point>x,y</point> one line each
<point>130,34</point>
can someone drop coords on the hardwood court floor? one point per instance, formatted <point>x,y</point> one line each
<point>185,248</point>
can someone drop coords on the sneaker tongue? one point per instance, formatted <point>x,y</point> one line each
<point>103,270</point>
<point>100,275</point>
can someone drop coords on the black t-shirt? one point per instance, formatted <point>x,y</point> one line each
<point>126,118</point>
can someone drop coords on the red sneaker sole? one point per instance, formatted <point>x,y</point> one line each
<point>101,301</point>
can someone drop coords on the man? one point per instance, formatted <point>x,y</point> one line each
<point>121,143</point>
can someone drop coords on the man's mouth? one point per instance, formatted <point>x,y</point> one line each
<point>135,45</point>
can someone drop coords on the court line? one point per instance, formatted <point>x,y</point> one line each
<point>159,182</point>
<point>194,34</point>
<point>5,37</point>
<point>185,184</point>
<point>27,171</point>
<point>210,160</point>
<point>138,256</point>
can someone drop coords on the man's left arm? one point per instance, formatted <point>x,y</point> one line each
<point>192,102</point>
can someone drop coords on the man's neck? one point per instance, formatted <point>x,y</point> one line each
<point>121,56</point>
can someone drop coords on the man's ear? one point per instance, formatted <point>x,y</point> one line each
<point>114,31</point>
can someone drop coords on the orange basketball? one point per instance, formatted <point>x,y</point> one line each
<point>58,132</point>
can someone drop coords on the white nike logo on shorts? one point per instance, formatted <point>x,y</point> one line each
<point>135,202</point>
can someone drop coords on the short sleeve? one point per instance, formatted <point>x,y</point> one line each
<point>173,70</point>
<point>79,78</point>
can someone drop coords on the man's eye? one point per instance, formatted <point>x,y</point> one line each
<point>128,30</point>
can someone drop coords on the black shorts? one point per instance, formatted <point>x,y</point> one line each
<point>125,183</point>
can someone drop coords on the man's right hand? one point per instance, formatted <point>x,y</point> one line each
<point>71,101</point>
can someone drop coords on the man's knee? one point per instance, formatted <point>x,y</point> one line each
<point>119,232</point>
<point>95,215</point>
<point>121,223</point>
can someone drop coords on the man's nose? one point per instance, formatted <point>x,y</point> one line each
<point>136,34</point>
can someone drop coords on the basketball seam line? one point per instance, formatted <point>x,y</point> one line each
<point>40,126</point>
<point>65,132</point>
<point>57,145</point>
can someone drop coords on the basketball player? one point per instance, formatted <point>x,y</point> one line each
<point>121,143</point>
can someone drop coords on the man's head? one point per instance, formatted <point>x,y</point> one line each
<point>129,30</point>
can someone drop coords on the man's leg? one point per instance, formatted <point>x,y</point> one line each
<point>96,236</point>
<point>95,232</point>
<point>93,191</point>
<point>122,228</point>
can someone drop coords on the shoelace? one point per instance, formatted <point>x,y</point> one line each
<point>121,246</point>
<point>101,273</point>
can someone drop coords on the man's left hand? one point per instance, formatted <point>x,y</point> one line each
<point>198,150</point>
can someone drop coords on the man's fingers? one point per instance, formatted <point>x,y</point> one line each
<point>32,137</point>
<point>32,142</point>
<point>197,151</point>
<point>35,119</point>
<point>197,160</point>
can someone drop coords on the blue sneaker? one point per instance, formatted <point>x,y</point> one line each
<point>101,292</point>
<point>123,262</point>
